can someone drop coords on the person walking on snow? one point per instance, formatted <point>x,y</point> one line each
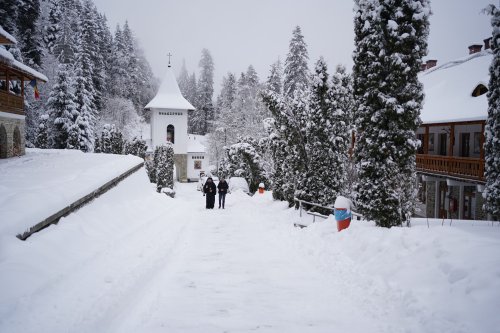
<point>222,186</point>
<point>209,189</point>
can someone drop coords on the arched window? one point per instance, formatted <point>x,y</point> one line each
<point>3,142</point>
<point>170,133</point>
<point>16,150</point>
<point>479,90</point>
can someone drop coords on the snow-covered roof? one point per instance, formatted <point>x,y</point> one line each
<point>448,89</point>
<point>7,36</point>
<point>169,95</point>
<point>196,143</point>
<point>7,58</point>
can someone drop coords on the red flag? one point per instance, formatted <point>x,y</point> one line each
<point>34,84</point>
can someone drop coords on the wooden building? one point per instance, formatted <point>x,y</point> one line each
<point>14,76</point>
<point>450,161</point>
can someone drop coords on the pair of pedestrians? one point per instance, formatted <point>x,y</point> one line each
<point>210,189</point>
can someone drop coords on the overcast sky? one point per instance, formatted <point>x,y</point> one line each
<point>240,33</point>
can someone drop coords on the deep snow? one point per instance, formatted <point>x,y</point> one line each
<point>137,261</point>
<point>42,182</point>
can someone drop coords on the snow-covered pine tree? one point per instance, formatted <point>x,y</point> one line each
<point>342,96</point>
<point>8,16</point>
<point>296,70</point>
<point>492,128</point>
<point>276,145</point>
<point>327,142</point>
<point>204,113</point>
<point>97,143</point>
<point>164,167</point>
<point>224,125</point>
<point>390,43</point>
<point>290,116</point>
<point>52,30</point>
<point>28,32</point>
<point>274,81</point>
<point>84,93</point>
<point>116,142</point>
<point>61,108</point>
<point>42,137</point>
<point>107,138</point>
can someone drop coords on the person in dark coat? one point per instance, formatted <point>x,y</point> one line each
<point>222,186</point>
<point>209,189</point>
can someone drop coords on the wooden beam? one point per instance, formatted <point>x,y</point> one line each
<point>481,142</point>
<point>452,139</point>
<point>426,140</point>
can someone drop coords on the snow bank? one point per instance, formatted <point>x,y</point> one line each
<point>42,182</point>
<point>450,274</point>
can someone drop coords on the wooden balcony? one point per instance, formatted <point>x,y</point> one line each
<point>461,167</point>
<point>11,103</point>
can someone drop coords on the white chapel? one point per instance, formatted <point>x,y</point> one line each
<point>169,123</point>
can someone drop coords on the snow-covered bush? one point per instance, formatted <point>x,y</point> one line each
<point>136,147</point>
<point>164,165</point>
<point>42,136</point>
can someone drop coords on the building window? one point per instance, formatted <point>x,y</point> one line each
<point>420,149</point>
<point>443,143</point>
<point>197,165</point>
<point>465,138</point>
<point>479,90</point>
<point>170,133</point>
<point>477,143</point>
<point>431,142</point>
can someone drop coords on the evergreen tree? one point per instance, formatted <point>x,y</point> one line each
<point>84,92</point>
<point>116,142</point>
<point>327,142</point>
<point>8,16</point>
<point>136,147</point>
<point>296,70</point>
<point>30,37</point>
<point>107,138</point>
<point>61,109</point>
<point>205,88</point>
<point>275,79</point>
<point>52,31</point>
<point>164,167</point>
<point>492,128</point>
<point>42,137</point>
<point>390,43</point>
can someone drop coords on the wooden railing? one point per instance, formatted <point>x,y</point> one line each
<point>462,167</point>
<point>11,103</point>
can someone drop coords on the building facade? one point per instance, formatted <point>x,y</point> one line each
<point>450,161</point>
<point>169,123</point>
<point>14,76</point>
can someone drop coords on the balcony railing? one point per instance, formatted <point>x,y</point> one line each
<point>462,167</point>
<point>11,103</point>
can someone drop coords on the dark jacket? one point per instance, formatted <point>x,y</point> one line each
<point>209,187</point>
<point>223,186</point>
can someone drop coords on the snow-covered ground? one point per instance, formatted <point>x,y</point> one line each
<point>42,182</point>
<point>137,261</point>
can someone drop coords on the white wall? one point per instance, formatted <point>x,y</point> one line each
<point>192,173</point>
<point>160,119</point>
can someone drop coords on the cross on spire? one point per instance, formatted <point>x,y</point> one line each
<point>169,55</point>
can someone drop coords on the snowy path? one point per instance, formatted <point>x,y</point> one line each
<point>135,261</point>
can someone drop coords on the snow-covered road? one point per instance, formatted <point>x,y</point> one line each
<point>136,261</point>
